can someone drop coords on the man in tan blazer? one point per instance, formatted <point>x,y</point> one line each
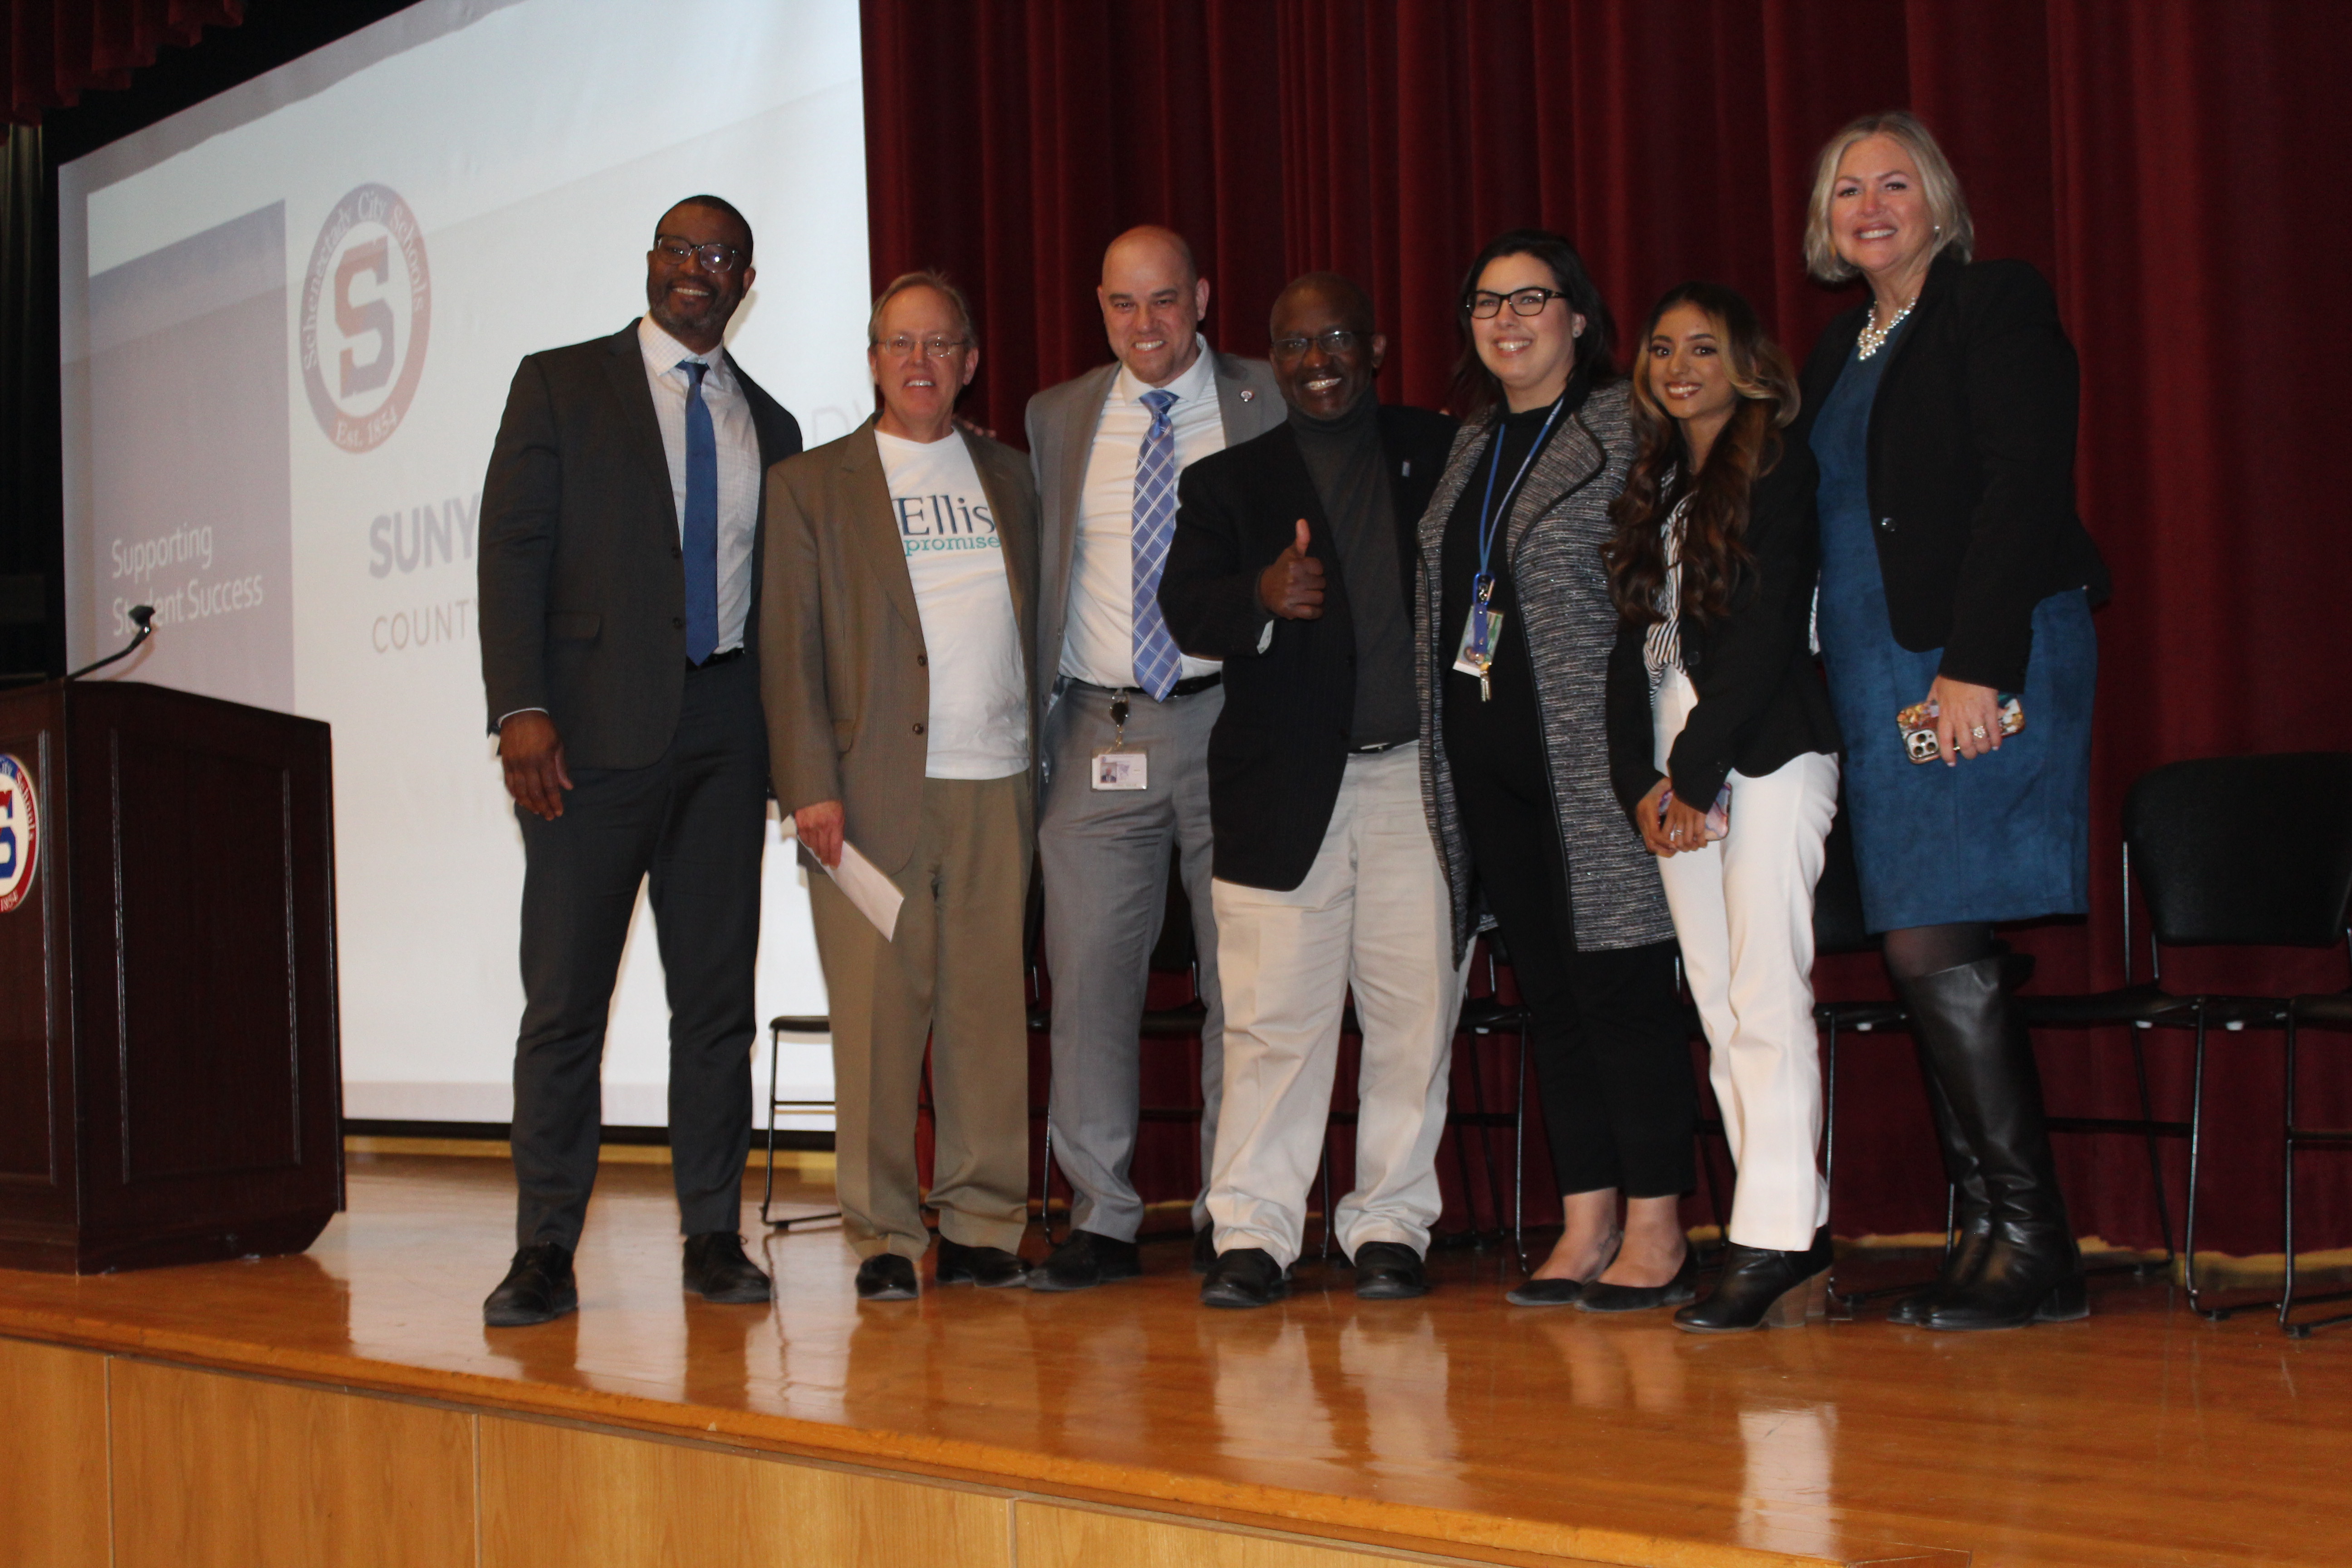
<point>898,619</point>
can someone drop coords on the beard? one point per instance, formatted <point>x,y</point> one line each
<point>682,318</point>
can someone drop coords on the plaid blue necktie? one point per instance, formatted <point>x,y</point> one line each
<point>700,531</point>
<point>1156,660</point>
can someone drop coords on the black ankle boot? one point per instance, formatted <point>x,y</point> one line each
<point>2027,1268</point>
<point>1972,1218</point>
<point>1758,1285</point>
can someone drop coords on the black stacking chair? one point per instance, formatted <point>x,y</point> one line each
<point>2331,1010</point>
<point>778,1028</point>
<point>2214,873</point>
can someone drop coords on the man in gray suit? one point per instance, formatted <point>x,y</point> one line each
<point>1126,720</point>
<point>619,594</point>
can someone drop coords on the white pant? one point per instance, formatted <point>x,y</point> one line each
<point>1743,910</point>
<point>1373,914</point>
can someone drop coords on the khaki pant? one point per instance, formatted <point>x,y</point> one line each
<point>953,975</point>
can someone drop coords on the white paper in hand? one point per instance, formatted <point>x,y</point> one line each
<point>875,895</point>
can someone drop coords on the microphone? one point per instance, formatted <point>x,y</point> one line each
<point>143,617</point>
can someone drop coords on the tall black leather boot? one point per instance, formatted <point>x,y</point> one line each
<point>2028,1269</point>
<point>1972,1220</point>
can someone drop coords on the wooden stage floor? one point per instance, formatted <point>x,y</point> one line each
<point>1450,1428</point>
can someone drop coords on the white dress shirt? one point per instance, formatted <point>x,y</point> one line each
<point>1099,645</point>
<point>738,462</point>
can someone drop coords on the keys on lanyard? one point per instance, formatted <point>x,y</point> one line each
<point>1119,711</point>
<point>1483,632</point>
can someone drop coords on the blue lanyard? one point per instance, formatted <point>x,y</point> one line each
<point>1482,585</point>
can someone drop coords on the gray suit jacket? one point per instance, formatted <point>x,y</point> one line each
<point>845,674</point>
<point>1061,422</point>
<point>580,583</point>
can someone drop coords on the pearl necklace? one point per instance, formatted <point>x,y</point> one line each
<point>1873,336</point>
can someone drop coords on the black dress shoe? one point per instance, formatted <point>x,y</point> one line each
<point>1389,1272</point>
<point>990,1267</point>
<point>1600,1298</point>
<point>717,1269</point>
<point>1085,1261</point>
<point>1245,1276</point>
<point>1204,1249</point>
<point>886,1277</point>
<point>1758,1285</point>
<point>537,1286</point>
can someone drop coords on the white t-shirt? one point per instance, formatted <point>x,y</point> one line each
<point>979,726</point>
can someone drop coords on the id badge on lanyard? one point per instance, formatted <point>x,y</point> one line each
<point>1482,632</point>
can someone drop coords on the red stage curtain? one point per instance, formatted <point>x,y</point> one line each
<point>2177,169</point>
<point>53,51</point>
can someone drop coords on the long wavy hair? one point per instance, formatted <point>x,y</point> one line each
<point>1714,543</point>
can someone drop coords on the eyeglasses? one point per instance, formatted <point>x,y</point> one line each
<point>937,346</point>
<point>1486,304</point>
<point>1338,341</point>
<point>715,258</point>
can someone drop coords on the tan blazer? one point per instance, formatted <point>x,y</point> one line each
<point>844,673</point>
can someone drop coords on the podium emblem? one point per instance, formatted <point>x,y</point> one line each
<point>20,832</point>
<point>367,310</point>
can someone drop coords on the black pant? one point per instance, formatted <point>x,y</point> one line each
<point>1610,1040</point>
<point>694,821</point>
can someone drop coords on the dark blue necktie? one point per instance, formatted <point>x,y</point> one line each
<point>701,520</point>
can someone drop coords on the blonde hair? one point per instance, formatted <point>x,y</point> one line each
<point>1948,209</point>
<point>928,277</point>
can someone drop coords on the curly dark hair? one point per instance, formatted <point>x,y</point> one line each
<point>1714,545</point>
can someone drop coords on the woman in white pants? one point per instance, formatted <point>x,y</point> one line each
<point>1724,750</point>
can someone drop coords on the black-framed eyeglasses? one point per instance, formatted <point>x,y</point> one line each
<point>1486,304</point>
<point>938,345</point>
<point>1338,341</point>
<point>714,257</point>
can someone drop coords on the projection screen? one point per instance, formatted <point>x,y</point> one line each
<point>290,315</point>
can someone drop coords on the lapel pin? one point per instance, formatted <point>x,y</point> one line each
<point>1249,395</point>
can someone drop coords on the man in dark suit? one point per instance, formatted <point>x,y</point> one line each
<point>619,586</point>
<point>1294,562</point>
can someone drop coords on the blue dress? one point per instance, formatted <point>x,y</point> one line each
<point>2003,837</point>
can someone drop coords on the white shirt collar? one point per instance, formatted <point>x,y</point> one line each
<point>1198,382</point>
<point>663,352</point>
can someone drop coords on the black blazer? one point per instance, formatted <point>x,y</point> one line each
<point>1280,746</point>
<point>1760,701</point>
<point>1971,452</point>
<point>581,582</point>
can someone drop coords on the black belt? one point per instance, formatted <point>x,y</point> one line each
<point>1192,687</point>
<point>731,654</point>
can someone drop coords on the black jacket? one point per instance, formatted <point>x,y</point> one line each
<point>1971,451</point>
<point>1760,701</point>
<point>581,582</point>
<point>1281,744</point>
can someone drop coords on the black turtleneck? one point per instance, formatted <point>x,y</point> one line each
<point>1503,735</point>
<point>1345,460</point>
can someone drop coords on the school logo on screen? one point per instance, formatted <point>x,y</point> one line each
<point>367,309</point>
<point>20,832</point>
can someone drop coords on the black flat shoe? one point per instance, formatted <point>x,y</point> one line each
<point>1245,1276</point>
<point>1759,1286</point>
<point>1389,1272</point>
<point>717,1269</point>
<point>886,1277</point>
<point>1204,1249</point>
<point>990,1267</point>
<point>538,1288</point>
<point>1546,1293</point>
<point>1085,1261</point>
<point>1600,1298</point>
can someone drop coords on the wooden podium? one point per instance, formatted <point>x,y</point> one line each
<point>170,1076</point>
